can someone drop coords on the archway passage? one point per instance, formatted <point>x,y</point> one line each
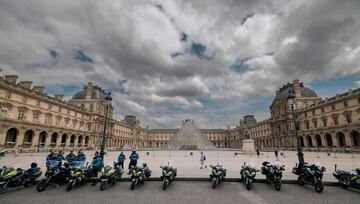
<point>42,138</point>
<point>341,139</point>
<point>28,137</point>
<point>80,140</point>
<point>318,140</point>
<point>86,141</point>
<point>329,141</point>
<point>11,135</point>
<point>309,141</point>
<point>355,138</point>
<point>63,139</point>
<point>54,137</point>
<point>72,139</point>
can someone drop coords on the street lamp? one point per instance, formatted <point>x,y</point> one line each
<point>291,100</point>
<point>108,100</point>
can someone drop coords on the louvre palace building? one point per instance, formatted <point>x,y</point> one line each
<point>31,120</point>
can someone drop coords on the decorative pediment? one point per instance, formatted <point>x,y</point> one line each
<point>6,105</point>
<point>22,109</point>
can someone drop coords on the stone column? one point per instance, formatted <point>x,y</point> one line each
<point>19,138</point>
<point>348,139</point>
<point>47,140</point>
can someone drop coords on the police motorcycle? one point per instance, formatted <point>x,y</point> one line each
<point>248,173</point>
<point>110,174</point>
<point>93,169</point>
<point>310,174</point>
<point>168,174</point>
<point>55,174</point>
<point>77,174</point>
<point>217,175</point>
<point>139,174</point>
<point>11,177</point>
<point>273,173</point>
<point>348,179</point>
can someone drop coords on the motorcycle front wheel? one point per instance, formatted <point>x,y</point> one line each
<point>132,186</point>
<point>4,188</point>
<point>166,183</point>
<point>102,185</point>
<point>43,184</point>
<point>300,181</point>
<point>277,185</point>
<point>319,186</point>
<point>214,183</point>
<point>247,183</point>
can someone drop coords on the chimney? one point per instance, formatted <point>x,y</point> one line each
<point>89,90</point>
<point>25,84</point>
<point>11,78</point>
<point>59,96</point>
<point>38,89</point>
<point>297,91</point>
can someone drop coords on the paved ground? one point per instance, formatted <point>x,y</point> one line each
<point>188,166</point>
<point>182,192</point>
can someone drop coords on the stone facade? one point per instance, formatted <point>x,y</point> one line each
<point>332,123</point>
<point>30,120</point>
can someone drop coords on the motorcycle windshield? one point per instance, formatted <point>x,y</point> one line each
<point>53,163</point>
<point>76,164</point>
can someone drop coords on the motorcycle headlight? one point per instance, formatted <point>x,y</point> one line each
<point>218,173</point>
<point>168,174</point>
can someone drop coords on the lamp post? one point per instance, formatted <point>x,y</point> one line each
<point>291,100</point>
<point>108,100</point>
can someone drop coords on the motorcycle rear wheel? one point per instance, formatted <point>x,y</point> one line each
<point>43,184</point>
<point>69,187</point>
<point>300,181</point>
<point>4,188</point>
<point>319,187</point>
<point>342,183</point>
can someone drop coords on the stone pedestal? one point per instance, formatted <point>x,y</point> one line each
<point>248,146</point>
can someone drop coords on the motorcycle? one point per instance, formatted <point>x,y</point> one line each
<point>54,174</point>
<point>348,179</point>
<point>310,174</point>
<point>273,174</point>
<point>95,166</point>
<point>138,175</point>
<point>77,174</point>
<point>10,177</point>
<point>218,174</point>
<point>248,173</point>
<point>168,175</point>
<point>110,175</point>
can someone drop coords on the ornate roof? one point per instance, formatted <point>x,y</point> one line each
<point>97,93</point>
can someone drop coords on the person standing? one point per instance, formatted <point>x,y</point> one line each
<point>70,157</point>
<point>133,159</point>
<point>258,153</point>
<point>81,156</point>
<point>276,155</point>
<point>202,160</point>
<point>121,160</point>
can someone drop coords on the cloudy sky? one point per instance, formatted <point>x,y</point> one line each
<point>164,61</point>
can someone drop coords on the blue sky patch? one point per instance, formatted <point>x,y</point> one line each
<point>244,19</point>
<point>119,88</point>
<point>199,50</point>
<point>183,37</point>
<point>81,56</point>
<point>240,65</point>
<point>329,88</point>
<point>67,90</point>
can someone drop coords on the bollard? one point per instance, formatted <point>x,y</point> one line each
<point>147,153</point>
<point>191,153</point>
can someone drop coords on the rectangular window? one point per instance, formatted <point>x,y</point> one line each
<point>333,107</point>
<point>307,125</point>
<point>48,119</point>
<point>21,115</point>
<point>322,110</point>
<point>36,117</point>
<point>315,123</point>
<point>345,104</point>
<point>348,118</point>
<point>324,122</point>
<point>8,94</point>
<point>336,120</point>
